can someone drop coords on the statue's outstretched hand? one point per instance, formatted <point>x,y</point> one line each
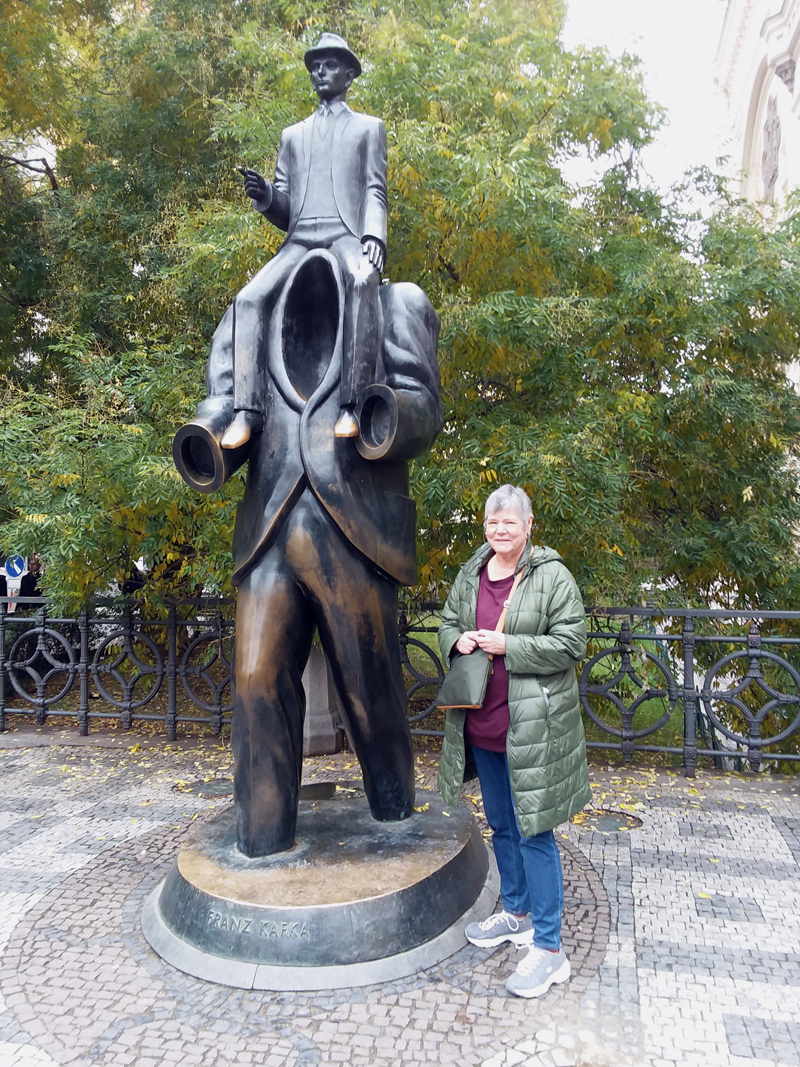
<point>257,188</point>
<point>374,250</point>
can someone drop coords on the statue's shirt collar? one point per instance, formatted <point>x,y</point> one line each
<point>333,109</point>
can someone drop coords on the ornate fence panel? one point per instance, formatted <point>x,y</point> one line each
<point>112,664</point>
<point>723,684</point>
<point>685,683</point>
<point>423,667</point>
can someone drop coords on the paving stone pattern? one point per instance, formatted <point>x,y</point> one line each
<point>684,934</point>
<point>729,909</point>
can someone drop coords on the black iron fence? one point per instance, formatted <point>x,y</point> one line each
<point>111,664</point>
<point>683,683</point>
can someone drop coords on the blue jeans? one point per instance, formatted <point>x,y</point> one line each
<point>530,867</point>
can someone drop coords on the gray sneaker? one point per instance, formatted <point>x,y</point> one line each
<point>538,971</point>
<point>499,928</point>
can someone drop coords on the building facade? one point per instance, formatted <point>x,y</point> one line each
<point>756,64</point>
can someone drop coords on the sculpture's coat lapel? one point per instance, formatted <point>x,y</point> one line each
<point>304,162</point>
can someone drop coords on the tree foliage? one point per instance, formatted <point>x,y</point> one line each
<point>610,349</point>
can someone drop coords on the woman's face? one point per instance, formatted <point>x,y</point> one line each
<point>507,533</point>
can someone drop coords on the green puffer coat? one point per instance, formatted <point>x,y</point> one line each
<point>545,640</point>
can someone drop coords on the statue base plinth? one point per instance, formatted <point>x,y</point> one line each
<point>353,903</point>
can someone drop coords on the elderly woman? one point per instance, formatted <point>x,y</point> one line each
<point>527,739</point>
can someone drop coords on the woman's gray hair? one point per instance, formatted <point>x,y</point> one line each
<point>511,498</point>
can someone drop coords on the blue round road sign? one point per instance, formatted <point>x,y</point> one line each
<point>15,566</point>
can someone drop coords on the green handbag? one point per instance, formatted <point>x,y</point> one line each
<point>464,685</point>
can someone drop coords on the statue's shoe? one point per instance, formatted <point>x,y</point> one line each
<point>239,431</point>
<point>346,426</point>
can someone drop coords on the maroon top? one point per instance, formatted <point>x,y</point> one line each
<point>487,727</point>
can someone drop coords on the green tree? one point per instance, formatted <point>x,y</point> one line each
<point>611,350</point>
<point>642,401</point>
<point>45,49</point>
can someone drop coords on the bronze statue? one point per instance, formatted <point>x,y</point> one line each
<point>329,192</point>
<point>327,382</point>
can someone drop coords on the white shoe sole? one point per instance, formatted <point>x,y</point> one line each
<point>561,975</point>
<point>525,937</point>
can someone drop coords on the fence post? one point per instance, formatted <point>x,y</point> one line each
<point>628,742</point>
<point>402,626</point>
<point>172,658</point>
<point>689,700</point>
<point>216,715</point>
<point>126,711</point>
<point>83,674</point>
<point>41,647</point>
<point>754,671</point>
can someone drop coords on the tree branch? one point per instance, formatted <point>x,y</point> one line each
<point>449,268</point>
<point>29,164</point>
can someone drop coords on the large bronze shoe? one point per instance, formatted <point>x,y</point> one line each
<point>345,427</point>
<point>239,431</point>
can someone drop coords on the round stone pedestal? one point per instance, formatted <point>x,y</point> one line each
<point>354,902</point>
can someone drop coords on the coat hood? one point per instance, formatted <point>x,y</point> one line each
<point>532,556</point>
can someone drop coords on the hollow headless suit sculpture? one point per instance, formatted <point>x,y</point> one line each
<point>327,382</point>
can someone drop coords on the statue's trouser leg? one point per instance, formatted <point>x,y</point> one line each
<point>219,375</point>
<point>274,627</point>
<point>252,311</point>
<point>361,327</point>
<point>253,307</point>
<point>356,611</point>
<point>313,574</point>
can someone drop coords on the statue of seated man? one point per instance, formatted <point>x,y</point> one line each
<point>329,192</point>
<point>325,531</point>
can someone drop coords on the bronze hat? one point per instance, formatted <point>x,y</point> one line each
<point>331,42</point>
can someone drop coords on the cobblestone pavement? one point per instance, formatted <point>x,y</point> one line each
<point>684,933</point>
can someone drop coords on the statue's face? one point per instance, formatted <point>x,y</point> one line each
<point>330,77</point>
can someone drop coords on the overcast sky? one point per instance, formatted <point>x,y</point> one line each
<point>677,42</point>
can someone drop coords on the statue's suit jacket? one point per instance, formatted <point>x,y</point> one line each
<point>367,498</point>
<point>359,174</point>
